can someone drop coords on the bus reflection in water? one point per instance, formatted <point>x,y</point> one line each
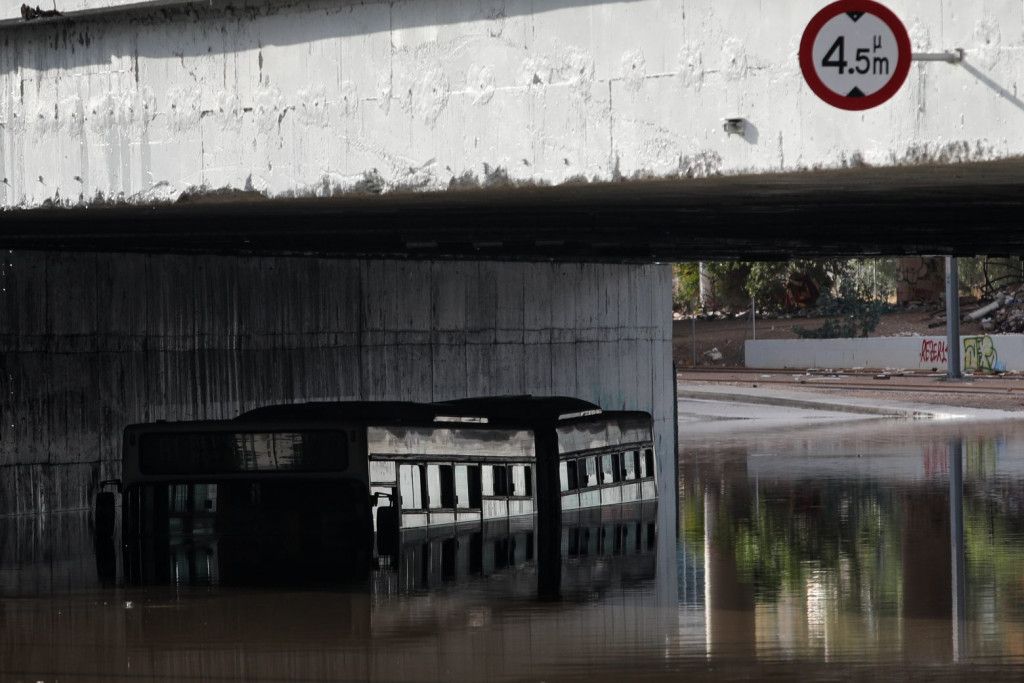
<point>597,551</point>
<point>414,495</point>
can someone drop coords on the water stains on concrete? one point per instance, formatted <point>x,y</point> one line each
<point>92,342</point>
<point>286,94</point>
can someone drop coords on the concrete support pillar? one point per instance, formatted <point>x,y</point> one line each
<point>706,288</point>
<point>919,278</point>
<point>548,520</point>
<point>97,341</point>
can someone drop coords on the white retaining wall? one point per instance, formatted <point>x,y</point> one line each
<point>977,353</point>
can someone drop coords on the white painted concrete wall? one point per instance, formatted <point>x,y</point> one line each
<point>316,96</point>
<point>977,353</point>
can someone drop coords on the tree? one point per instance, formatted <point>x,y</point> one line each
<point>850,313</point>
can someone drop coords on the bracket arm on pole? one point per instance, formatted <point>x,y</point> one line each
<point>954,56</point>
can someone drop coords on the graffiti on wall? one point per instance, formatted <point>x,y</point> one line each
<point>980,354</point>
<point>933,351</point>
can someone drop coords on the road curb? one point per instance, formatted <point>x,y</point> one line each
<point>806,404</point>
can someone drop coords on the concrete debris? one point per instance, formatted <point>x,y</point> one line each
<point>1005,318</point>
<point>985,310</point>
<point>714,355</point>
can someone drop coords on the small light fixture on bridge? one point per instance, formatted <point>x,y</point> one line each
<point>735,125</point>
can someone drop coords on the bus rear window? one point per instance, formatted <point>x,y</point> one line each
<point>190,453</point>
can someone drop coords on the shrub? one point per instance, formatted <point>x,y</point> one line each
<point>850,314</point>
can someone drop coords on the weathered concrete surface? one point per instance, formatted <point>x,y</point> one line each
<point>92,342</point>
<point>42,554</point>
<point>937,208</point>
<point>317,97</point>
<point>11,12</point>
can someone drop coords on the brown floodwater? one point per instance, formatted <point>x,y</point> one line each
<point>822,553</point>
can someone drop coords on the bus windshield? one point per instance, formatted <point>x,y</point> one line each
<point>197,453</point>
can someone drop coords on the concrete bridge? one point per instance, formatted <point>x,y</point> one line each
<point>432,198</point>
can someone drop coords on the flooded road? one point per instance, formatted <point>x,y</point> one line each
<point>832,545</point>
<point>820,552</point>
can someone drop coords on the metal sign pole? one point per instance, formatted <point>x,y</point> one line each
<point>675,444</point>
<point>753,318</point>
<point>693,337</point>
<point>954,56</point>
<point>952,319</point>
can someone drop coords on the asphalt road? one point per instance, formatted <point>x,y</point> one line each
<point>981,392</point>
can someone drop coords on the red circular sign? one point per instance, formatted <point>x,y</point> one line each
<point>855,54</point>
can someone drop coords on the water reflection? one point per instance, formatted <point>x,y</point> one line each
<point>808,553</point>
<point>596,545</point>
<point>461,604</point>
<point>837,544</point>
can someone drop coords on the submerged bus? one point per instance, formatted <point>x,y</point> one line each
<point>337,475</point>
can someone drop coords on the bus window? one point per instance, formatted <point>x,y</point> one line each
<point>629,465</point>
<point>487,480</point>
<point>574,475</point>
<point>518,481</point>
<point>563,476</point>
<point>502,485</point>
<point>529,481</point>
<point>178,499</point>
<point>591,472</point>
<point>189,498</point>
<point>409,479</point>
<point>608,469</point>
<point>647,464</point>
<point>433,487</point>
<point>462,487</point>
<point>222,452</point>
<point>475,501</point>
<point>447,487</point>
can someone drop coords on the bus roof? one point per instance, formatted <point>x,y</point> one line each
<point>491,408</point>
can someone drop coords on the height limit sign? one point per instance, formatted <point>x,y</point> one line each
<point>855,54</point>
